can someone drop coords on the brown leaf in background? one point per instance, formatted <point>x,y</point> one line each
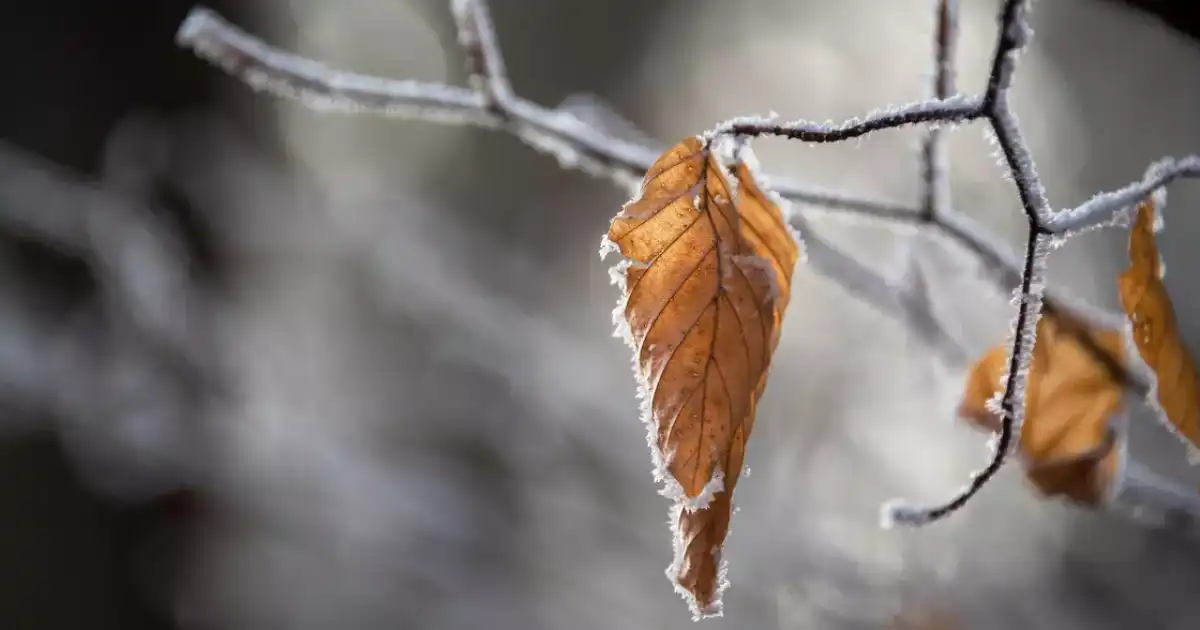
<point>1148,306</point>
<point>704,289</point>
<point>1071,397</point>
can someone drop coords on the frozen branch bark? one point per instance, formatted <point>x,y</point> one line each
<point>1113,207</point>
<point>935,176</point>
<point>485,65</point>
<point>491,103</point>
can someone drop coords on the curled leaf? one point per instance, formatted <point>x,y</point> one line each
<point>1066,442</point>
<point>1154,331</point>
<point>704,285</point>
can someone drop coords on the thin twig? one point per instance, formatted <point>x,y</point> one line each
<point>903,298</point>
<point>994,106</point>
<point>562,134</point>
<point>485,65</point>
<point>1014,35</point>
<point>1109,207</point>
<point>951,110</point>
<point>935,175</point>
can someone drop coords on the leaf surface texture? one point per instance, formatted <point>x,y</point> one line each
<point>706,279</point>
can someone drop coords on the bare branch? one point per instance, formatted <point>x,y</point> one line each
<point>1014,35</point>
<point>912,287</point>
<point>994,106</point>
<point>951,110</point>
<point>276,72</point>
<point>1111,207</point>
<point>903,298</point>
<point>572,141</point>
<point>108,376</point>
<point>575,142</point>
<point>485,65</point>
<point>935,175</point>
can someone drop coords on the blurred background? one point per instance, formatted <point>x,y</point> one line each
<point>267,368</point>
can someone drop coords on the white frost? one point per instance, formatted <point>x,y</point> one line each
<point>750,263</point>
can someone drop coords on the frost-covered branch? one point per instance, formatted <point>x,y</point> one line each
<point>485,65</point>
<point>1014,35</point>
<point>574,141</point>
<point>905,297</point>
<point>1043,224</point>
<point>579,144</point>
<point>1110,207</point>
<point>951,110</point>
<point>993,105</point>
<point>935,175</point>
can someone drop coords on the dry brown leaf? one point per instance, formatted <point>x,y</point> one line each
<point>1148,306</point>
<point>1070,399</point>
<point>703,291</point>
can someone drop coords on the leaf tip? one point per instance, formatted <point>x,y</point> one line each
<point>700,611</point>
<point>703,605</point>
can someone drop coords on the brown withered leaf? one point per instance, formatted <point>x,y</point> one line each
<point>704,285</point>
<point>1148,306</point>
<point>1071,396</point>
